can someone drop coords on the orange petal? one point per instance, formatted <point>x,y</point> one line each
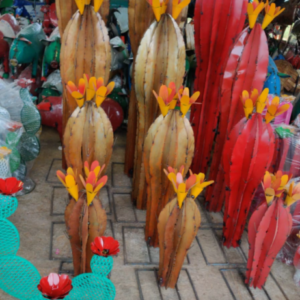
<point>194,97</point>
<point>81,86</point>
<point>71,87</point>
<point>110,87</point>
<point>100,82</point>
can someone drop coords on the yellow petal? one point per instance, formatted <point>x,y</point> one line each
<point>269,194</point>
<point>90,194</point>
<point>172,178</point>
<point>163,107</point>
<point>80,4</point>
<point>177,8</point>
<point>70,171</point>
<point>97,5</point>
<point>181,194</point>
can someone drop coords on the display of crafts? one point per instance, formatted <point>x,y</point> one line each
<point>213,123</point>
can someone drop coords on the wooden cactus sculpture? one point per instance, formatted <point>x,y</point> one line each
<point>169,142</point>
<point>85,217</point>
<point>160,60</point>
<point>217,25</point>
<point>247,155</point>
<point>178,225</point>
<point>246,69</point>
<point>65,9</point>
<point>85,49</point>
<point>140,16</point>
<point>269,226</point>
<point>88,135</point>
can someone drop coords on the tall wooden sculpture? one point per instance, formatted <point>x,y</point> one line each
<point>85,217</point>
<point>269,227</point>
<point>160,60</point>
<point>178,225</point>
<point>247,154</point>
<point>65,9</point>
<point>140,16</point>
<point>246,69</point>
<point>217,25</point>
<point>85,50</point>
<point>88,135</point>
<point>169,142</point>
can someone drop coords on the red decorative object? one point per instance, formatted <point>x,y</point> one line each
<point>269,227</point>
<point>217,25</point>
<point>55,286</point>
<point>105,246</point>
<point>246,69</point>
<point>52,117</point>
<point>50,18</point>
<point>114,112</point>
<point>10,186</point>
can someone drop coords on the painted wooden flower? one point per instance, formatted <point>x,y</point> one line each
<point>275,109</point>
<point>92,184</point>
<point>178,6</point>
<point>159,7</point>
<point>55,286</point>
<point>271,13</point>
<point>181,187</point>
<point>248,101</point>
<point>10,186</point>
<point>253,10</point>
<point>293,193</point>
<point>69,182</point>
<point>105,246</point>
<point>78,93</point>
<point>186,101</point>
<point>200,184</point>
<point>274,185</point>
<point>262,101</point>
<point>95,167</point>
<point>96,87</point>
<point>165,97</point>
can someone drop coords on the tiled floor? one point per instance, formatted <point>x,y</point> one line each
<point>209,272</point>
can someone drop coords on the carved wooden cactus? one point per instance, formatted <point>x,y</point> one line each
<point>88,134</point>
<point>169,142</point>
<point>65,9</point>
<point>160,60</point>
<point>85,49</point>
<point>85,217</point>
<point>178,225</point>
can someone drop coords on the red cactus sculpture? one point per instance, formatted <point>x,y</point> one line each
<point>247,155</point>
<point>269,227</point>
<point>217,24</point>
<point>246,69</point>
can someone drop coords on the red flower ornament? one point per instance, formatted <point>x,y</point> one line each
<point>55,286</point>
<point>10,186</point>
<point>105,246</point>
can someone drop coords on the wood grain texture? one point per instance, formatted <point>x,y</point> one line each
<point>169,142</point>
<point>88,137</point>
<point>177,229</point>
<point>65,9</point>
<point>160,60</point>
<point>85,50</point>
